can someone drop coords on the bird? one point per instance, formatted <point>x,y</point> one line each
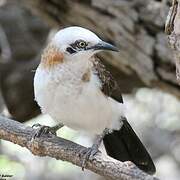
<point>74,87</point>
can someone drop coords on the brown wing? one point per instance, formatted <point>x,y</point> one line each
<point>109,85</point>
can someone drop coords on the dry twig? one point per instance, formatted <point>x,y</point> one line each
<point>65,150</point>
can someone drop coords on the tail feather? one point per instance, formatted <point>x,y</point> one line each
<point>124,145</point>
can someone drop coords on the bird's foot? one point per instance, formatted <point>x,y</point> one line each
<point>88,154</point>
<point>41,129</point>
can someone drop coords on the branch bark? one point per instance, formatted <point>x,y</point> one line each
<point>59,148</point>
<point>172,29</point>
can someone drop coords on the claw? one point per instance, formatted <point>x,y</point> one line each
<point>42,130</point>
<point>45,130</point>
<point>88,154</point>
<point>36,125</point>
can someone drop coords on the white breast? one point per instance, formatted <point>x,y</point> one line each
<point>79,105</point>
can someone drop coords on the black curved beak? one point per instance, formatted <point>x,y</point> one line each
<point>104,46</point>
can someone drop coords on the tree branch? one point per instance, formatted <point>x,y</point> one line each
<point>59,148</point>
<point>173,32</point>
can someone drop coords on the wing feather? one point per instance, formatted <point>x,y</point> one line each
<point>109,86</point>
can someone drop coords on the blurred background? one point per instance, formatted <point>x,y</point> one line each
<point>145,70</point>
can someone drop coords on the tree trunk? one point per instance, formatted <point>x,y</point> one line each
<point>173,32</point>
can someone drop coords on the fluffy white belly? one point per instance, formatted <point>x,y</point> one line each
<point>79,106</point>
<point>88,111</point>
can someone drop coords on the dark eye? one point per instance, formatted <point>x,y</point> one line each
<point>81,44</point>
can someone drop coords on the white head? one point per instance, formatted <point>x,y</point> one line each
<point>79,42</point>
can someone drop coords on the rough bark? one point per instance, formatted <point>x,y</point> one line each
<point>56,147</point>
<point>172,29</point>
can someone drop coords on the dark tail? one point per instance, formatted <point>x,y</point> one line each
<point>124,145</point>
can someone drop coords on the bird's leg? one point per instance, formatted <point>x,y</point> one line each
<point>90,152</point>
<point>46,129</point>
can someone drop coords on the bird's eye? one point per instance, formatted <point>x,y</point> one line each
<point>81,44</point>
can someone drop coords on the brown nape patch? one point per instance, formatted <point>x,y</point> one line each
<point>86,76</point>
<point>51,56</point>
